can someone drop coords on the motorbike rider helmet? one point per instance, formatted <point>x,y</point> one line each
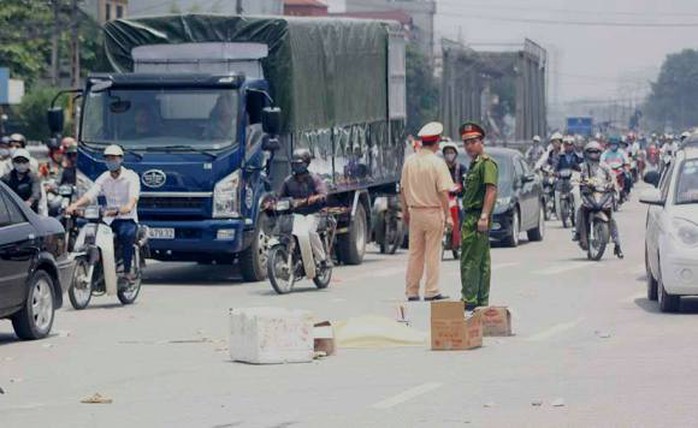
<point>556,136</point>
<point>536,139</point>
<point>685,135</point>
<point>614,142</point>
<point>592,151</point>
<point>18,138</point>
<point>114,150</point>
<point>300,161</point>
<point>450,147</point>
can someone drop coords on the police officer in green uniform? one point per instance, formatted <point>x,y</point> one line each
<point>478,203</point>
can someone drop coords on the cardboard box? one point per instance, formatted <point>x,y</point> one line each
<point>496,320</point>
<point>271,336</point>
<point>451,331</point>
<point>323,337</point>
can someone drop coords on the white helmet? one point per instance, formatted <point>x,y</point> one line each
<point>21,153</point>
<point>568,139</point>
<point>113,150</point>
<point>536,139</point>
<point>685,135</point>
<point>593,146</point>
<point>449,145</point>
<point>556,136</point>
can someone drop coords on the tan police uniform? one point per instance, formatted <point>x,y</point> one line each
<point>424,176</point>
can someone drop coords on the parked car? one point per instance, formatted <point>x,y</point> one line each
<point>671,235</point>
<point>35,268</point>
<point>520,205</point>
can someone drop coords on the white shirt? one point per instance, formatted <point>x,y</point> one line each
<point>118,192</point>
<point>5,167</point>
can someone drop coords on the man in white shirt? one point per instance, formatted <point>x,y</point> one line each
<point>121,188</point>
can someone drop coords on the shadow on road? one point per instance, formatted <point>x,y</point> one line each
<point>304,288</point>
<point>8,338</point>
<point>191,275</point>
<point>689,305</point>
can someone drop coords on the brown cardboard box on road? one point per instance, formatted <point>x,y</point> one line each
<point>496,320</point>
<point>451,331</point>
<point>323,338</point>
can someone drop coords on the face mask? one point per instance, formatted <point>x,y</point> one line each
<point>299,168</point>
<point>113,165</point>
<point>614,148</point>
<point>12,151</point>
<point>450,157</point>
<point>21,168</point>
<point>4,153</point>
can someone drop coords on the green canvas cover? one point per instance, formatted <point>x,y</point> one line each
<point>324,73</point>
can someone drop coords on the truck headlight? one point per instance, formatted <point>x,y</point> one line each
<point>685,232</point>
<point>226,196</point>
<point>82,184</point>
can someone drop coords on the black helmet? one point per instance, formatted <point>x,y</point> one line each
<point>302,156</point>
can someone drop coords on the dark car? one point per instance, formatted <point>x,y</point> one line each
<point>519,206</point>
<point>35,268</point>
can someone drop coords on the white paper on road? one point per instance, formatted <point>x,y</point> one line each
<point>376,332</point>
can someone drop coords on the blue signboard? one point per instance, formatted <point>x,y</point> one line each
<point>580,126</point>
<point>4,85</point>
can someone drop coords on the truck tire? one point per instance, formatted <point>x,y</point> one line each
<point>351,247</point>
<point>253,261</point>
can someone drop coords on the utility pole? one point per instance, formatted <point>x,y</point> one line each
<point>238,7</point>
<point>74,56</point>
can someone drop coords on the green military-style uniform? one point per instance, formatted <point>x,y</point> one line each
<point>475,264</point>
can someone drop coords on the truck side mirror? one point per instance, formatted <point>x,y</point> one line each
<point>271,120</point>
<point>56,120</point>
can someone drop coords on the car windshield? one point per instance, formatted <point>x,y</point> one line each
<point>505,169</point>
<point>138,118</point>
<point>687,184</point>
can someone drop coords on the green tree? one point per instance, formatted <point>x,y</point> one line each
<point>31,113</point>
<point>422,90</point>
<point>674,97</point>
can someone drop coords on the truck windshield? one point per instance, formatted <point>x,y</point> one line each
<point>147,119</point>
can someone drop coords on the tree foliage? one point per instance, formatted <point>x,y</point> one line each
<point>422,90</point>
<point>674,97</point>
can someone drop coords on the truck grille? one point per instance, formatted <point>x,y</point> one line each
<point>187,203</point>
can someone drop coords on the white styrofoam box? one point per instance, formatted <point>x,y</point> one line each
<point>271,336</point>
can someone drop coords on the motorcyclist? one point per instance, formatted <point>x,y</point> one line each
<point>457,169</point>
<point>568,159</point>
<point>24,182</point>
<point>614,157</point>
<point>535,151</point>
<point>52,168</point>
<point>684,137</point>
<point>309,195</point>
<point>593,168</point>
<point>18,141</point>
<point>5,158</point>
<point>551,153</point>
<point>70,159</point>
<point>121,187</point>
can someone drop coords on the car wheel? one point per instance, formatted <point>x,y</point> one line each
<point>652,285</point>
<point>667,302</point>
<point>537,234</point>
<point>513,239</point>
<point>35,319</point>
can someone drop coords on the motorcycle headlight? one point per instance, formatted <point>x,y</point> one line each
<point>83,183</point>
<point>226,196</point>
<point>685,231</point>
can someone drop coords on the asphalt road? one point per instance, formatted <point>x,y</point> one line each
<point>586,338</point>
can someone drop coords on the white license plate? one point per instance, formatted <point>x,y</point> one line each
<point>161,233</point>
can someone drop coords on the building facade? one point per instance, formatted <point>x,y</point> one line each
<point>106,10</point>
<point>305,8</point>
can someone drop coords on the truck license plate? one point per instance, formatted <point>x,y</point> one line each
<point>161,233</point>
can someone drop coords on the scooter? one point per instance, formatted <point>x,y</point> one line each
<point>597,199</point>
<point>66,192</point>
<point>451,238</point>
<point>97,267</point>
<point>567,202</point>
<point>621,180</point>
<point>291,256</point>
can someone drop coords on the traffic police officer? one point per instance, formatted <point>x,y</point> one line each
<point>478,203</point>
<point>424,190</point>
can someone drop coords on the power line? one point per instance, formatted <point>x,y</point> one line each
<point>576,23</point>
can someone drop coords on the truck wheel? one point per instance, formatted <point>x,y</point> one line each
<point>352,246</point>
<point>253,261</point>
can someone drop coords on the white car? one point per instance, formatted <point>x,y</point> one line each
<point>671,239</point>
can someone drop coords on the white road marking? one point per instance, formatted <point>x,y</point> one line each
<point>554,270</point>
<point>552,331</point>
<point>407,395</point>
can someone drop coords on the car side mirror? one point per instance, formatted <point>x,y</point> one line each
<point>652,197</point>
<point>56,120</point>
<point>651,177</point>
<point>271,120</point>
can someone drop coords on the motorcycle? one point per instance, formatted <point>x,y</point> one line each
<point>621,180</point>
<point>548,192</point>
<point>451,238</point>
<point>567,202</point>
<point>66,192</point>
<point>96,265</point>
<point>389,229</point>
<point>597,199</point>
<point>291,256</point>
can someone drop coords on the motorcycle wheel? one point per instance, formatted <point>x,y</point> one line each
<point>80,291</point>
<point>129,295</point>
<point>323,277</point>
<point>398,236</point>
<point>280,274</point>
<point>565,214</point>
<point>598,240</point>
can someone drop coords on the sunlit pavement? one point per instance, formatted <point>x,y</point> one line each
<point>587,340</point>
